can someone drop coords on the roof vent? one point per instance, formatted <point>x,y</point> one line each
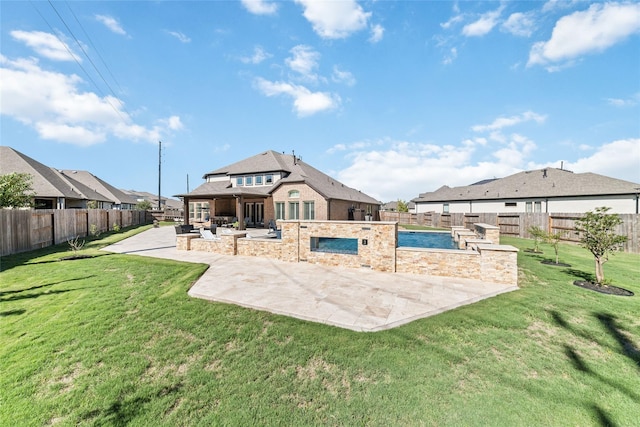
<point>544,173</point>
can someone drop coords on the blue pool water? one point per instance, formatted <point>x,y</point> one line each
<point>426,240</point>
<point>334,245</point>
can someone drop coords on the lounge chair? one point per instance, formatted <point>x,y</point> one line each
<point>208,235</point>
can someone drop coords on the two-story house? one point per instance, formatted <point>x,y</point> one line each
<point>272,185</point>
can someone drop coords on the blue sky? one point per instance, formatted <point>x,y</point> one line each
<point>393,98</point>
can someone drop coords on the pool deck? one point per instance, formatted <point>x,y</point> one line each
<point>355,299</point>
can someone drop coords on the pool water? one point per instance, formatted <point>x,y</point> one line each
<point>429,239</point>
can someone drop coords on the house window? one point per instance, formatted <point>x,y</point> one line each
<point>279,210</point>
<point>445,207</point>
<point>538,207</point>
<point>294,210</point>
<point>294,194</point>
<point>528,207</point>
<point>240,181</point>
<point>258,179</point>
<point>248,180</point>
<point>269,179</point>
<point>309,210</point>
<point>510,204</point>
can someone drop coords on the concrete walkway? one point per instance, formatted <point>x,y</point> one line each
<point>356,299</point>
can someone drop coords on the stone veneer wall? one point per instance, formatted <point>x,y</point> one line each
<point>488,232</point>
<point>492,263</point>
<point>264,248</point>
<point>376,243</point>
<point>488,262</point>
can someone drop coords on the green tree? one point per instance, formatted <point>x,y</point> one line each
<point>16,190</point>
<point>597,230</point>
<point>554,239</point>
<point>538,235</point>
<point>92,204</point>
<point>144,205</point>
<point>402,206</point>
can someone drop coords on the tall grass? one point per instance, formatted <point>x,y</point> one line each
<point>115,340</point>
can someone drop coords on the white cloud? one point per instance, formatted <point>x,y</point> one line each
<point>53,104</point>
<point>304,61</point>
<point>454,20</point>
<point>520,24</point>
<point>260,7</point>
<point>340,76</point>
<point>377,33</point>
<point>180,36</point>
<point>629,102</point>
<point>502,122</point>
<point>401,169</point>
<point>599,27</point>
<point>619,159</point>
<point>484,24</point>
<point>259,55</point>
<point>553,5</point>
<point>46,44</point>
<point>335,19</point>
<point>305,102</point>
<point>453,54</point>
<point>112,24</point>
<point>336,148</point>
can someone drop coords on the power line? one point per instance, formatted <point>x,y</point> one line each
<point>95,48</point>
<point>75,58</point>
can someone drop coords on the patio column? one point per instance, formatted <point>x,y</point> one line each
<point>240,212</point>
<point>186,210</point>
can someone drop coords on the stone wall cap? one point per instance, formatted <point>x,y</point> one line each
<point>483,225</point>
<point>460,251</point>
<point>504,248</point>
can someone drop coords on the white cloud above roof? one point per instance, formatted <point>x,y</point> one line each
<point>259,55</point>
<point>46,44</point>
<point>260,7</point>
<point>335,19</point>
<point>606,160</point>
<point>180,36</point>
<point>305,102</point>
<point>503,122</point>
<point>112,24</point>
<point>580,33</point>
<point>53,104</point>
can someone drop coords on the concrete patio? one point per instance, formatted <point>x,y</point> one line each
<point>353,298</point>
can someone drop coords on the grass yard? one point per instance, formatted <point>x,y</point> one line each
<point>115,340</point>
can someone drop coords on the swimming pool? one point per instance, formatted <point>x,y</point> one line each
<point>429,239</point>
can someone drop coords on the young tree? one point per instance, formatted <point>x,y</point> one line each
<point>16,190</point>
<point>402,206</point>
<point>144,205</point>
<point>598,235</point>
<point>554,239</point>
<point>538,235</point>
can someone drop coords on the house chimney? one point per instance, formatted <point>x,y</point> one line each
<point>562,165</point>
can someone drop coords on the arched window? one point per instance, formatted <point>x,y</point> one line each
<point>294,194</point>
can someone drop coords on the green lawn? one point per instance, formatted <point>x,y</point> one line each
<point>115,340</point>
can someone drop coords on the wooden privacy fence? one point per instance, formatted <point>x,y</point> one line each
<point>518,224</point>
<point>25,230</point>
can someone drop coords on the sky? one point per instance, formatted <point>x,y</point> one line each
<point>393,98</point>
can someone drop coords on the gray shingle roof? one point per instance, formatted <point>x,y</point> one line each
<point>47,182</point>
<point>93,182</point>
<point>295,170</point>
<point>540,183</point>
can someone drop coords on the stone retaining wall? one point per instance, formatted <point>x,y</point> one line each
<point>377,249</point>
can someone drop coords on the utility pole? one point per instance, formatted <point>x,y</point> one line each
<point>159,174</point>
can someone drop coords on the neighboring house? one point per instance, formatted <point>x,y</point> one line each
<point>51,188</point>
<point>543,190</point>
<point>117,199</point>
<point>58,189</point>
<point>393,207</point>
<point>276,186</point>
<point>171,207</point>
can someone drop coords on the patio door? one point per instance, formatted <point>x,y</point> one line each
<point>253,213</point>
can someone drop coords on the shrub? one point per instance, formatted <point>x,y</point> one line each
<point>93,230</point>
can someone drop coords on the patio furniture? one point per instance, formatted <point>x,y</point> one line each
<point>208,235</point>
<point>183,229</point>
